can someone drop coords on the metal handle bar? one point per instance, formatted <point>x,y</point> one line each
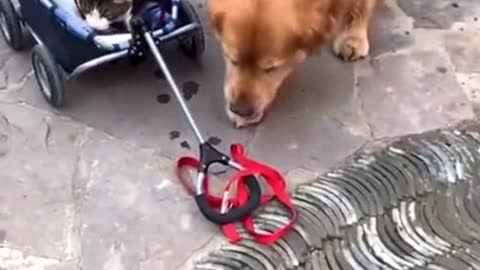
<point>235,214</point>
<point>208,156</point>
<point>163,66</point>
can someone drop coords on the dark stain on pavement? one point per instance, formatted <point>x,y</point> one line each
<point>175,134</point>
<point>163,98</point>
<point>214,140</point>
<point>190,88</point>
<point>185,145</point>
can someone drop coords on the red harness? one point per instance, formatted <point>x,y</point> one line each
<point>272,178</point>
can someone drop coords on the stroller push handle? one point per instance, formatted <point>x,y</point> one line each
<point>235,214</point>
<point>209,154</point>
<point>149,39</point>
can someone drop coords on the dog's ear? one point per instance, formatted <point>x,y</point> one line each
<point>217,22</point>
<point>216,15</point>
<point>314,27</point>
<point>309,39</point>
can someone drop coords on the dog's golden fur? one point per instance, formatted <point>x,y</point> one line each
<point>263,40</point>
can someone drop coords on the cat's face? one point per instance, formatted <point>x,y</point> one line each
<point>99,14</point>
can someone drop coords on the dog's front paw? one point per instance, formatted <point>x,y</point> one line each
<point>242,122</point>
<point>351,48</point>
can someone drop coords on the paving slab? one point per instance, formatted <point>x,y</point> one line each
<point>134,209</point>
<point>391,30</point>
<point>36,186</point>
<point>75,193</point>
<point>441,14</point>
<point>412,92</point>
<point>464,56</point>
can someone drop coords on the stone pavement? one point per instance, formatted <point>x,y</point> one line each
<point>91,186</point>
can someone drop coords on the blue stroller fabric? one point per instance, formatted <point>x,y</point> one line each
<point>153,12</point>
<point>71,22</point>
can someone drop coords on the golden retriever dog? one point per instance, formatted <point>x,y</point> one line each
<point>263,41</point>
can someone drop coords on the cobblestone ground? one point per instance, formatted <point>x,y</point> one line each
<point>91,186</point>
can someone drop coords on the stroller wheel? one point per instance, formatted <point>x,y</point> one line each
<point>48,76</point>
<point>193,45</point>
<point>10,25</point>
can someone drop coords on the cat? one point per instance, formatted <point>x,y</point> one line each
<point>102,15</point>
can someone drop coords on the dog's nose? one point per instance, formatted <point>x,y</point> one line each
<point>243,110</point>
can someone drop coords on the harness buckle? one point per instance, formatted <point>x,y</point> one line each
<point>225,202</point>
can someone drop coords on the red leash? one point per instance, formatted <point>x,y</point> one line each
<point>273,179</point>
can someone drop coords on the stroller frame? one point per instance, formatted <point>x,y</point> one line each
<point>64,46</point>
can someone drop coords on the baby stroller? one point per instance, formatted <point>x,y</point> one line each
<point>66,46</point>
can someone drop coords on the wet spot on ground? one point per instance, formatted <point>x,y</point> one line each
<point>175,134</point>
<point>3,235</point>
<point>442,69</point>
<point>4,149</point>
<point>185,145</point>
<point>190,88</point>
<point>163,98</point>
<point>214,140</point>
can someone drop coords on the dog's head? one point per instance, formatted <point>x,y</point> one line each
<point>262,41</point>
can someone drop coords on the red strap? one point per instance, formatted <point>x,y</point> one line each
<point>271,176</point>
<point>277,184</point>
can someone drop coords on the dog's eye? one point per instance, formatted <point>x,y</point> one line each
<point>270,69</point>
<point>234,62</point>
<point>231,60</point>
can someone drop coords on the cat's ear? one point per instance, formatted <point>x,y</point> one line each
<point>81,8</point>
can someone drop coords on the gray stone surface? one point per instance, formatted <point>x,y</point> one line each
<point>411,93</point>
<point>77,193</point>
<point>464,56</point>
<point>92,186</point>
<point>471,85</point>
<point>391,29</point>
<point>319,103</point>
<point>441,14</point>
<point>148,214</point>
<point>36,181</point>
<point>430,221</point>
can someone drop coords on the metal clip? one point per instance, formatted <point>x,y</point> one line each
<point>225,201</point>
